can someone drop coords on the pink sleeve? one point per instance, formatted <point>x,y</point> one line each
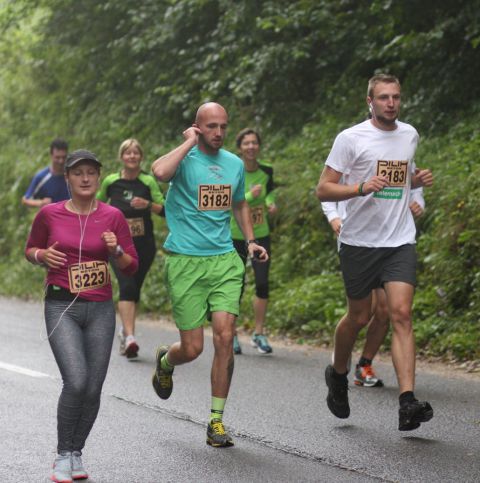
<point>124,239</point>
<point>38,236</point>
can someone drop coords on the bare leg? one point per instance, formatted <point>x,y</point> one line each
<point>347,331</point>
<point>128,311</point>
<point>223,325</point>
<point>378,327</point>
<point>400,299</point>
<point>260,311</point>
<point>188,348</point>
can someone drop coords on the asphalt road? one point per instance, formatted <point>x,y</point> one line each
<point>276,412</point>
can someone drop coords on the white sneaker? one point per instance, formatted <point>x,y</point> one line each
<point>131,347</point>
<point>78,471</point>
<point>62,468</point>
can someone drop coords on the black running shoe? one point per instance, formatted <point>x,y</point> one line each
<point>162,381</point>
<point>413,413</point>
<point>337,399</point>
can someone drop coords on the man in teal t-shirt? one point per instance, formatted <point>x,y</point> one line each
<point>203,271</point>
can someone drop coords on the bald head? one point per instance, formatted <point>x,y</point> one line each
<point>212,121</point>
<point>207,109</point>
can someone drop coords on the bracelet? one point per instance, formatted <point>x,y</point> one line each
<point>149,206</point>
<point>360,189</point>
<point>248,242</point>
<point>35,256</point>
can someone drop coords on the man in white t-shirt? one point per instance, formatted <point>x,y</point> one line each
<point>377,241</point>
<point>378,324</point>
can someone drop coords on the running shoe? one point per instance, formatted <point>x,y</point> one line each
<point>365,376</point>
<point>121,338</point>
<point>237,348</point>
<point>62,468</point>
<point>217,436</point>
<point>261,343</point>
<point>78,471</point>
<point>162,381</point>
<point>337,398</point>
<point>131,347</point>
<point>413,413</point>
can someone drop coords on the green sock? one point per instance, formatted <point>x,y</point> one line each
<point>165,365</point>
<point>218,404</point>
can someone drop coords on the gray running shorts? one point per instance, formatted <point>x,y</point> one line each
<point>365,268</point>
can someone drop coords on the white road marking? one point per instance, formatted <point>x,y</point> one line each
<point>23,370</point>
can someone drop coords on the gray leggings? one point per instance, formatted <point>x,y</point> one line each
<point>81,344</point>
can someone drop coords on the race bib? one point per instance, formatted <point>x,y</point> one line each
<point>214,197</point>
<point>87,276</point>
<point>137,226</point>
<point>256,215</point>
<point>395,171</point>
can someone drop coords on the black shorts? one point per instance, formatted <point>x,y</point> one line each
<point>365,269</point>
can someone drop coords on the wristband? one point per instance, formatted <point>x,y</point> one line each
<point>35,256</point>
<point>248,242</point>
<point>149,206</point>
<point>360,189</point>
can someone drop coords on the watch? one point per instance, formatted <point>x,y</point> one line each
<point>248,242</point>
<point>118,251</point>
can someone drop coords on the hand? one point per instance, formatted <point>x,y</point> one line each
<point>52,257</point>
<point>110,240</point>
<point>336,225</point>
<point>374,185</point>
<point>257,252</point>
<point>46,201</point>
<point>192,134</point>
<point>256,190</point>
<point>416,209</point>
<point>139,203</point>
<point>424,177</point>
<point>272,209</point>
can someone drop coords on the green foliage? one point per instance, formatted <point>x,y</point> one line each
<point>97,72</point>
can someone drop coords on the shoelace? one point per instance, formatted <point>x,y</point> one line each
<point>218,427</point>
<point>165,379</point>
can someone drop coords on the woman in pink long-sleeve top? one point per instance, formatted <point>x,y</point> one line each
<point>75,239</point>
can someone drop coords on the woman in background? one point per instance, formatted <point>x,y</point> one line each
<point>261,200</point>
<point>136,194</point>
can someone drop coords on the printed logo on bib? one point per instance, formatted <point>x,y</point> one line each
<point>214,197</point>
<point>395,171</point>
<point>256,214</point>
<point>87,276</point>
<point>389,194</point>
<point>137,226</point>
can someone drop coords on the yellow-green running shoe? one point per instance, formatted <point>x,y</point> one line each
<point>162,381</point>
<point>217,436</point>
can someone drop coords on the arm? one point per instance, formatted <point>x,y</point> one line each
<point>164,168</point>
<point>417,202</point>
<point>329,189</point>
<point>271,195</point>
<point>158,201</point>
<point>31,203</point>
<point>36,250</point>
<point>241,212</point>
<point>330,211</point>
